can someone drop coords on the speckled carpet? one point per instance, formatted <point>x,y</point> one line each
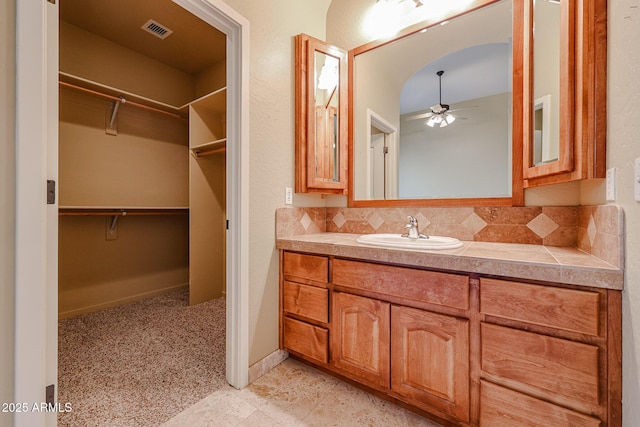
<point>141,363</point>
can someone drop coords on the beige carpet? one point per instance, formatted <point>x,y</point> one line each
<point>142,363</point>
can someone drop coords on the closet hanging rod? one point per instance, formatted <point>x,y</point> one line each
<point>122,212</point>
<point>120,99</point>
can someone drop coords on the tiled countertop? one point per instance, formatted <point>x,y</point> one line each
<point>533,262</point>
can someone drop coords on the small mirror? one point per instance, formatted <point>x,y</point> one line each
<point>321,117</point>
<point>327,102</point>
<point>548,149</point>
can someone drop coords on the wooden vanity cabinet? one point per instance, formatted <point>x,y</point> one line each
<point>463,349</point>
<point>304,303</point>
<point>551,349</point>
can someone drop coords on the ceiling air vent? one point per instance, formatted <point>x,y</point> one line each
<point>156,29</point>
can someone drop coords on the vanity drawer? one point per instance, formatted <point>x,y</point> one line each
<point>561,308</point>
<point>304,268</point>
<point>502,407</point>
<point>450,290</point>
<point>558,366</point>
<point>307,340</point>
<point>309,301</point>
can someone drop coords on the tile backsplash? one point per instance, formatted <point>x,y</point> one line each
<point>597,230</point>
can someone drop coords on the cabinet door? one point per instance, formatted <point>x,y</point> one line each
<point>360,338</point>
<point>430,360</point>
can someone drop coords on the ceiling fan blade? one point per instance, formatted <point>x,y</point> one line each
<point>463,108</point>
<point>420,116</point>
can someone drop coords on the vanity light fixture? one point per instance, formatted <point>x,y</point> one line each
<point>387,17</point>
<point>417,3</point>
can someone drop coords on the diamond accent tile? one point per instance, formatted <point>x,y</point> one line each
<point>423,221</point>
<point>474,223</point>
<point>542,225</point>
<point>339,220</point>
<point>375,220</point>
<point>306,221</point>
<point>592,230</point>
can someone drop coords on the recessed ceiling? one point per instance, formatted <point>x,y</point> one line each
<point>193,46</point>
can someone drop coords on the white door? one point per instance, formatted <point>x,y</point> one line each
<point>37,222</point>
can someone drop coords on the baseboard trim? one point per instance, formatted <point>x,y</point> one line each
<point>263,366</point>
<point>120,301</point>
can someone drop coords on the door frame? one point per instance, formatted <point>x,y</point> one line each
<point>236,27</point>
<point>36,248</point>
<point>374,119</point>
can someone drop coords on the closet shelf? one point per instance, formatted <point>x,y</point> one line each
<point>115,94</point>
<point>215,101</point>
<point>212,147</point>
<point>103,211</point>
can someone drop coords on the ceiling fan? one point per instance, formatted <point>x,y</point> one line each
<point>440,114</point>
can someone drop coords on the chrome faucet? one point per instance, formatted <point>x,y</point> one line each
<point>413,231</point>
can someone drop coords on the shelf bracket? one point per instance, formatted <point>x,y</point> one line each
<point>112,230</point>
<point>111,127</point>
<point>114,224</point>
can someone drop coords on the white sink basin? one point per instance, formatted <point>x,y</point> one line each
<point>397,241</point>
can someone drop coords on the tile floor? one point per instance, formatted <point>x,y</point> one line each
<point>294,394</point>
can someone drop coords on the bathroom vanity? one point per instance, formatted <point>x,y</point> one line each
<point>487,334</point>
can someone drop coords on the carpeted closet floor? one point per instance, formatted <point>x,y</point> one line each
<point>141,363</point>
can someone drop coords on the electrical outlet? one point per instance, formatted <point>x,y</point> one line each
<point>288,196</point>
<point>611,184</point>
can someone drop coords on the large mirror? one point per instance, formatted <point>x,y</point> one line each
<point>433,113</point>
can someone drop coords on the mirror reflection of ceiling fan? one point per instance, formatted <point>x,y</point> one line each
<point>440,114</point>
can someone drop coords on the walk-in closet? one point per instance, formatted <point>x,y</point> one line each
<point>142,139</point>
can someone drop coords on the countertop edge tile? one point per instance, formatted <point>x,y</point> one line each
<point>529,262</point>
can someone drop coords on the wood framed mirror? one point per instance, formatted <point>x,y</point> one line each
<point>321,117</point>
<point>482,159</point>
<point>565,121</point>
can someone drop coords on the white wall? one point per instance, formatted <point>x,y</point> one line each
<point>469,158</point>
<point>623,146</point>
<point>272,27</point>
<point>7,202</point>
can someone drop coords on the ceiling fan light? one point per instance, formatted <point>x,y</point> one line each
<point>431,122</point>
<point>449,119</point>
<point>444,124</point>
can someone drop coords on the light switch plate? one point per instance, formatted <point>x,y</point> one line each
<point>288,196</point>
<point>611,184</point>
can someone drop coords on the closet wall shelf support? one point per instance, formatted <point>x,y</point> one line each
<point>115,106</point>
<point>114,224</point>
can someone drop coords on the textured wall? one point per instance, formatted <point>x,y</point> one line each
<point>622,148</point>
<point>273,25</point>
